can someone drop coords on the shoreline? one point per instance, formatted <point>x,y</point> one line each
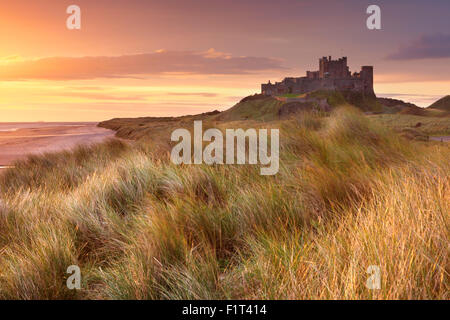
<point>38,138</point>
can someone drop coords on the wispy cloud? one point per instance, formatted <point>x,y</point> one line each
<point>124,97</point>
<point>137,65</point>
<point>426,47</point>
<point>200,94</point>
<point>86,88</point>
<point>99,96</point>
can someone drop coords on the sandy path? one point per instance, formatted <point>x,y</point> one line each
<point>17,144</point>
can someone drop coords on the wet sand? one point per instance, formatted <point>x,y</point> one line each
<point>19,140</point>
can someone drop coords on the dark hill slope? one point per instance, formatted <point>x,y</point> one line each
<point>256,107</point>
<point>442,104</point>
<point>399,106</point>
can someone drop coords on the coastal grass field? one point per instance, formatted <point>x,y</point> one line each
<point>434,125</point>
<point>351,193</point>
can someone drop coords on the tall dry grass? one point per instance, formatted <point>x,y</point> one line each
<point>349,194</point>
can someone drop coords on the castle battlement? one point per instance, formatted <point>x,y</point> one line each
<point>332,75</point>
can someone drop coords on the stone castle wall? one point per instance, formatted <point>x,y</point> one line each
<point>332,75</point>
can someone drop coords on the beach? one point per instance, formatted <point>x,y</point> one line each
<point>17,140</point>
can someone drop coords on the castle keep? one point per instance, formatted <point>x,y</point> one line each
<point>332,75</point>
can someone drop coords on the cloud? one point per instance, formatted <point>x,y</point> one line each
<point>11,58</point>
<point>201,94</point>
<point>99,96</point>
<point>86,88</point>
<point>426,47</point>
<point>137,66</point>
<point>144,97</point>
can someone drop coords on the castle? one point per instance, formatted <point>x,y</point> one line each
<point>332,75</point>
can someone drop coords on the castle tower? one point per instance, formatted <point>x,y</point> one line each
<point>323,67</point>
<point>335,69</point>
<point>367,77</point>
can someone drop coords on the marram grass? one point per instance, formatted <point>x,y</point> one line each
<point>349,194</point>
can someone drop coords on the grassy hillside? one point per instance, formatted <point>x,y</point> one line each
<point>257,107</point>
<point>442,104</point>
<point>138,128</point>
<point>350,193</point>
<point>395,106</point>
<point>421,125</point>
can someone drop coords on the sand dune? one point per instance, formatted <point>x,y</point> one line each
<point>19,140</point>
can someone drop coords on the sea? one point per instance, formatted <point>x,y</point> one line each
<point>14,126</point>
<point>16,146</point>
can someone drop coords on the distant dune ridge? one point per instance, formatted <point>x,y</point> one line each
<point>442,104</point>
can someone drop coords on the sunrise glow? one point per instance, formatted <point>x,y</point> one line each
<point>138,59</point>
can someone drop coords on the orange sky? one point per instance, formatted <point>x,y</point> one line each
<point>154,58</point>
